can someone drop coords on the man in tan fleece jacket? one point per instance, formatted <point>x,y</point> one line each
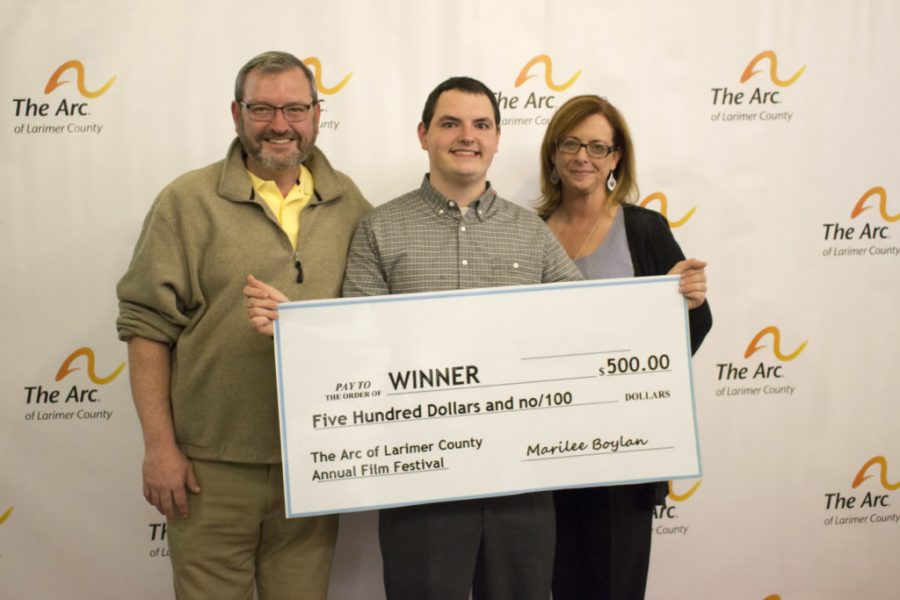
<point>203,382</point>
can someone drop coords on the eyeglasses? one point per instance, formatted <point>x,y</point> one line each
<point>594,149</point>
<point>266,112</point>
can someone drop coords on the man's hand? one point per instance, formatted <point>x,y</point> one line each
<point>693,280</point>
<point>262,301</point>
<point>168,476</point>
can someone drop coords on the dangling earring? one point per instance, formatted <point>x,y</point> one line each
<point>554,177</point>
<point>611,181</point>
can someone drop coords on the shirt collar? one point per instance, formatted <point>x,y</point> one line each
<point>484,206</point>
<point>303,182</point>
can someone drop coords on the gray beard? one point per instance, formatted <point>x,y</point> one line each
<point>268,162</point>
<point>292,161</point>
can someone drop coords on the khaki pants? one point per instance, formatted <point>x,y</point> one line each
<point>237,536</point>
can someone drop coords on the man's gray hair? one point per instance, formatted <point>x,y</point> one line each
<point>273,62</point>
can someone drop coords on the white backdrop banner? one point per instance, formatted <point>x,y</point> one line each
<point>763,132</point>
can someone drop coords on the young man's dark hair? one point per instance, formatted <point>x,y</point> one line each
<point>463,84</point>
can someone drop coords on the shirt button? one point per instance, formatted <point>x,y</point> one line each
<point>463,228</point>
<point>451,204</point>
<point>465,262</point>
<point>515,265</point>
<point>441,211</point>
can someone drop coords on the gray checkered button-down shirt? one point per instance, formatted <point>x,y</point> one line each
<point>421,242</point>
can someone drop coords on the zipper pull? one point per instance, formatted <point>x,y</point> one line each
<point>299,267</point>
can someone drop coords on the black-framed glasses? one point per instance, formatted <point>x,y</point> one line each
<point>594,149</point>
<point>296,112</point>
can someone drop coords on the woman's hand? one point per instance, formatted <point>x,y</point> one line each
<point>262,301</point>
<point>693,280</point>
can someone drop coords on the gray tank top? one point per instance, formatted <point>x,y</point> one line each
<point>611,258</point>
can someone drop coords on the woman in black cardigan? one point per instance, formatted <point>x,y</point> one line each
<point>588,187</point>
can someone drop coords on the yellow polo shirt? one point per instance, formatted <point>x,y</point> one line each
<point>286,209</point>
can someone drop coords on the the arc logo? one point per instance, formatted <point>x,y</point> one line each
<point>681,497</point>
<point>87,356</point>
<point>766,377</point>
<point>78,68</point>
<point>863,204</point>
<point>772,332</point>
<point>856,508</point>
<point>668,518</point>
<point>5,515</point>
<point>769,55</point>
<point>543,60</point>
<point>663,201</point>
<point>316,66</point>
<point>880,466</point>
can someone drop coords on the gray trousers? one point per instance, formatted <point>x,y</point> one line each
<point>499,548</point>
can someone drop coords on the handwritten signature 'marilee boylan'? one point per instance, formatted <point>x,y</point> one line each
<point>571,447</point>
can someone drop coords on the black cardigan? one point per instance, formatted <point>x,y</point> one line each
<point>653,252</point>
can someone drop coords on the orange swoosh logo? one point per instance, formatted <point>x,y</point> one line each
<point>5,515</point>
<point>882,467</point>
<point>882,204</point>
<point>66,367</point>
<point>664,209</point>
<point>316,65</point>
<point>54,81</point>
<point>548,73</point>
<point>682,497</point>
<point>754,345</point>
<point>773,69</point>
<point>772,597</point>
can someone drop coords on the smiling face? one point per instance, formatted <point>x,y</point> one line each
<point>582,174</point>
<point>461,141</point>
<point>277,146</point>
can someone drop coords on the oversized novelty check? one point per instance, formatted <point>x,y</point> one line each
<point>393,400</point>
